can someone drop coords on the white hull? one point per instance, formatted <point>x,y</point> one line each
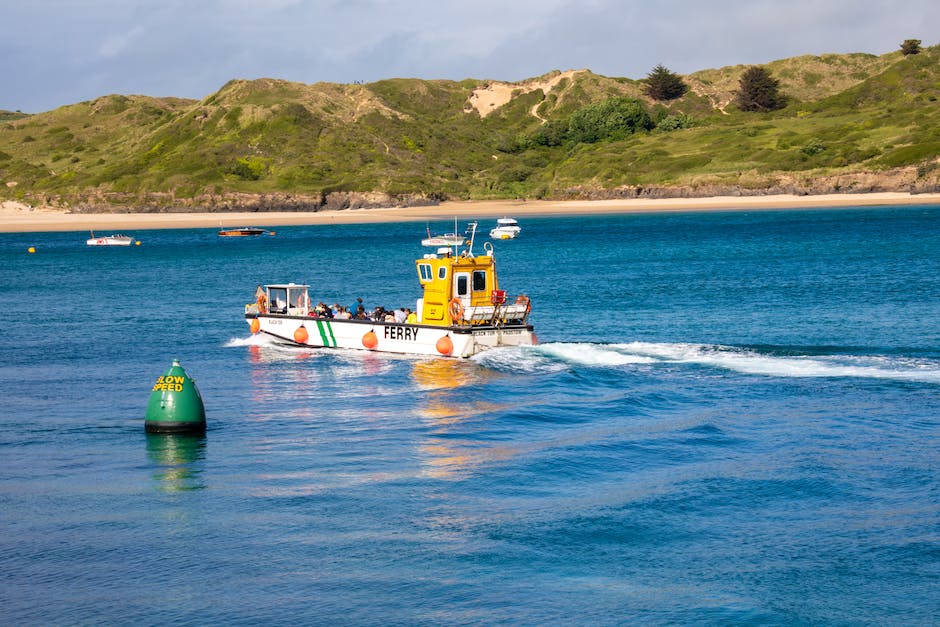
<point>114,240</point>
<point>391,337</point>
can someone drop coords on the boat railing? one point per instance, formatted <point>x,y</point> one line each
<point>495,314</point>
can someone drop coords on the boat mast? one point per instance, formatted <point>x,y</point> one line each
<point>472,227</point>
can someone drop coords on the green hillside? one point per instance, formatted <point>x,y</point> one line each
<point>852,122</point>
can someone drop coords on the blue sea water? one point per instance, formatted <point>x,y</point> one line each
<point>731,417</point>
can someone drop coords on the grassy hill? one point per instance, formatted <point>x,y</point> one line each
<point>853,122</point>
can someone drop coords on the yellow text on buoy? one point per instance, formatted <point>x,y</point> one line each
<point>300,335</point>
<point>445,345</point>
<point>370,340</point>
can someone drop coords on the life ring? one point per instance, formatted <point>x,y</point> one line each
<point>456,309</point>
<point>520,300</point>
<point>262,303</point>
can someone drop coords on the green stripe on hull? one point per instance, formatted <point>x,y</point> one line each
<point>329,342</point>
<point>323,339</point>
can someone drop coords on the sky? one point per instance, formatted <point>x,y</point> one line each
<point>59,52</point>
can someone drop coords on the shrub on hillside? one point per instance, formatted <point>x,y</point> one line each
<point>675,122</point>
<point>614,118</point>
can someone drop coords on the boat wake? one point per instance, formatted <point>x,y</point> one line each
<point>560,356</point>
<point>251,340</point>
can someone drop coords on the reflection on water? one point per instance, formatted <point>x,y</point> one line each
<point>178,458</point>
<point>446,407</point>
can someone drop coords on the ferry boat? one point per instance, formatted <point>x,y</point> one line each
<point>109,240</point>
<point>244,231</point>
<point>506,228</point>
<point>462,311</point>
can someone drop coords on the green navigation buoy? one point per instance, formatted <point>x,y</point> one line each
<point>175,404</point>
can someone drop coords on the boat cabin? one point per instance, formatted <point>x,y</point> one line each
<point>287,299</point>
<point>463,289</point>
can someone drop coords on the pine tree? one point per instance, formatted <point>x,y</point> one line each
<point>662,84</point>
<point>759,91</point>
<point>910,46</point>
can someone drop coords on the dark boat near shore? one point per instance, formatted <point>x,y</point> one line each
<point>244,231</point>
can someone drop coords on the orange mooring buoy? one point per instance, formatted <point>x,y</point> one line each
<point>445,345</point>
<point>301,335</point>
<point>255,326</point>
<point>370,340</point>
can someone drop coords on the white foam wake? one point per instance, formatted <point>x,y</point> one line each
<point>746,361</point>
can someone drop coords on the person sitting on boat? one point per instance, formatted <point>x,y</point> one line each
<point>400,315</point>
<point>342,313</point>
<point>361,313</point>
<point>354,308</point>
<point>412,317</point>
<point>389,316</point>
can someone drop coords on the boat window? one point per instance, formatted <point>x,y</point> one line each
<point>479,280</point>
<point>296,298</point>
<point>278,300</point>
<point>442,272</point>
<point>462,281</point>
<point>424,271</point>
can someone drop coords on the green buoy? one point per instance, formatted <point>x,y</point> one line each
<point>175,404</point>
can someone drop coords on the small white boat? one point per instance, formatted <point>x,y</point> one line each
<point>447,239</point>
<point>109,240</point>
<point>506,228</point>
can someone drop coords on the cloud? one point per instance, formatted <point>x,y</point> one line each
<point>55,52</point>
<point>113,46</point>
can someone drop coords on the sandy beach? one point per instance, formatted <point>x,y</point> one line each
<point>19,218</point>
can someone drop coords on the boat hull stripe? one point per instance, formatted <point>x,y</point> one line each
<point>323,337</point>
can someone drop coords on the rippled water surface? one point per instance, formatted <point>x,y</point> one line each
<point>730,417</point>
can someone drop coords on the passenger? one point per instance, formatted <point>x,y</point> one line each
<point>342,314</point>
<point>412,317</point>
<point>400,315</point>
<point>361,313</point>
<point>354,308</point>
<point>390,316</point>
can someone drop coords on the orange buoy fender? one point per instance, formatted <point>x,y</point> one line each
<point>254,325</point>
<point>370,340</point>
<point>535,340</point>
<point>445,345</point>
<point>301,335</point>
<point>456,309</point>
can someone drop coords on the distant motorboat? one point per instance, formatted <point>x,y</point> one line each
<point>109,240</point>
<point>506,228</point>
<point>244,231</point>
<point>446,239</point>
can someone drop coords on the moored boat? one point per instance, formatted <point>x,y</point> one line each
<point>109,240</point>
<point>462,312</point>
<point>447,239</point>
<point>506,228</point>
<point>244,232</point>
